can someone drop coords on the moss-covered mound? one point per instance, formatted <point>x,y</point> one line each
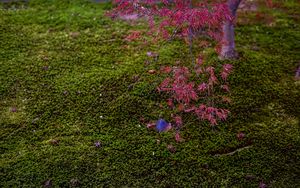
<point>69,79</point>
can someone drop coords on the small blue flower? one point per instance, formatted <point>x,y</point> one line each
<point>162,125</point>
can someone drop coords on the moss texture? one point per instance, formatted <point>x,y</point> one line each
<point>68,79</point>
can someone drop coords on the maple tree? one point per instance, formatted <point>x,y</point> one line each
<point>188,19</point>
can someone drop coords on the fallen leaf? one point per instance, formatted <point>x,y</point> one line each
<point>163,126</point>
<point>171,148</point>
<point>151,71</point>
<point>54,142</point>
<point>97,144</point>
<point>47,184</point>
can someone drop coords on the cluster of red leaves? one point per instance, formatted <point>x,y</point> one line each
<point>183,18</point>
<point>134,35</point>
<point>198,97</point>
<point>186,19</point>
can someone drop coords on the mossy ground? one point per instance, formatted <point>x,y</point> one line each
<point>67,74</point>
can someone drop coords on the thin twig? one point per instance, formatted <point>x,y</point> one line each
<point>233,152</point>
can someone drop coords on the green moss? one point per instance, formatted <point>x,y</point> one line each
<point>72,78</point>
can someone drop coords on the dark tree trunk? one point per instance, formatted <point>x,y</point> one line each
<point>228,45</point>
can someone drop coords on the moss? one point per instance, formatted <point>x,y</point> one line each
<point>72,78</point>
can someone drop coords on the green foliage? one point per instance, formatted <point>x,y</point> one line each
<point>72,78</point>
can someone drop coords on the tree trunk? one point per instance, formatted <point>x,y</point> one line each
<point>228,45</point>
